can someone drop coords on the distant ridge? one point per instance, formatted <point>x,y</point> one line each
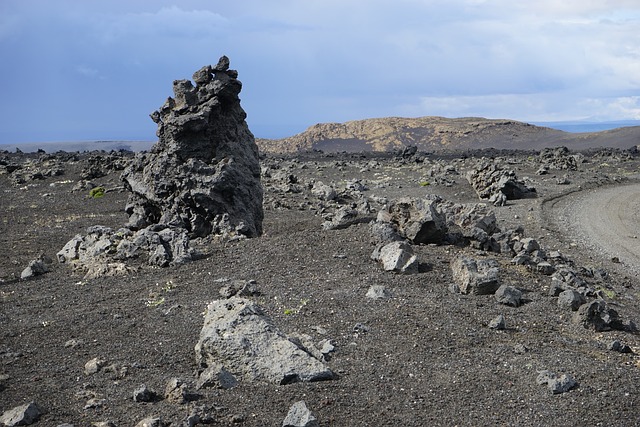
<point>440,133</point>
<point>79,146</point>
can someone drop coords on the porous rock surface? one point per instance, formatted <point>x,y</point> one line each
<point>238,335</point>
<point>203,174</point>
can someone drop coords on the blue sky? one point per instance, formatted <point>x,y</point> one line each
<point>85,70</point>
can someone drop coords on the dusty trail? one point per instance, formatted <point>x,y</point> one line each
<point>605,220</point>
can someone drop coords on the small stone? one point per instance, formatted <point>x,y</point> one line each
<point>556,384</point>
<point>94,403</point>
<point>216,377</point>
<point>94,365</point>
<point>144,394</point>
<point>378,292</point>
<point>571,299</point>
<point>152,422</point>
<point>545,268</point>
<point>544,377</point>
<point>300,416</point>
<point>498,323</point>
<point>619,347</point>
<point>509,295</point>
<point>562,384</point>
<point>520,349</point>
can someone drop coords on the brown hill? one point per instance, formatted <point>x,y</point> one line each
<point>438,133</point>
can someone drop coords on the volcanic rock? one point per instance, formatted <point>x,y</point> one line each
<point>22,415</point>
<point>418,220</point>
<point>479,277</point>
<point>509,295</point>
<point>300,416</point>
<point>487,179</point>
<point>203,175</point>
<point>396,256</point>
<point>237,335</point>
<point>598,316</point>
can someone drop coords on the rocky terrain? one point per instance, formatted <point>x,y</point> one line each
<point>439,133</point>
<point>204,284</point>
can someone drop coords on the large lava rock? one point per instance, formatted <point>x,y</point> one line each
<point>489,179</point>
<point>238,336</point>
<point>203,175</point>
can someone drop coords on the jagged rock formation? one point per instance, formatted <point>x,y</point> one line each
<point>202,177</point>
<point>490,180</point>
<point>203,174</point>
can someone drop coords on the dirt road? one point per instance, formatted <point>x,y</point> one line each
<point>605,220</point>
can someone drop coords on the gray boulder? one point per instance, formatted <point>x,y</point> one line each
<point>378,292</point>
<point>597,315</point>
<point>396,256</point>
<point>300,416</point>
<point>509,295</point>
<point>571,299</point>
<point>237,335</point>
<point>96,251</point>
<point>36,267</point>
<point>417,220</point>
<point>488,179</point>
<point>23,415</point>
<point>478,277</point>
<point>557,384</point>
<point>498,323</point>
<point>203,174</point>
<point>323,191</point>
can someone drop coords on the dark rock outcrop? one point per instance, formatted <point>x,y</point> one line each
<point>489,179</point>
<point>203,174</point>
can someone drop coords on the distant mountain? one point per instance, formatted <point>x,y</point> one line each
<point>440,133</point>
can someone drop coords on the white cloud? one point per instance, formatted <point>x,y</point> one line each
<point>527,107</point>
<point>167,22</point>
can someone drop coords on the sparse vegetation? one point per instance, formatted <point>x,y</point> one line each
<point>97,192</point>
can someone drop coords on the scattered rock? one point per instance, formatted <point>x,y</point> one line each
<point>487,179</point>
<point>300,416</point>
<point>177,391</point>
<point>619,347</point>
<point>417,220</point>
<point>23,415</point>
<point>597,315</point>
<point>558,158</point>
<point>37,267</point>
<point>384,232</point>
<point>478,277</point>
<point>241,288</point>
<point>571,298</point>
<point>94,365</point>
<point>378,292</point>
<point>509,295</point>
<point>144,394</point>
<point>557,385</point>
<point>498,323</point>
<point>152,422</point>
<point>237,335</point>
<point>344,217</point>
<point>323,191</point>
<point>396,256</point>
<point>215,376</point>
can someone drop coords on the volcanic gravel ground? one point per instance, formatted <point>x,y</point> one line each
<point>427,356</point>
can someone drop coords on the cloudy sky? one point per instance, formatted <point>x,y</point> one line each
<point>84,69</point>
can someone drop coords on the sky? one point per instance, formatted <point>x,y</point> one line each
<point>94,70</point>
